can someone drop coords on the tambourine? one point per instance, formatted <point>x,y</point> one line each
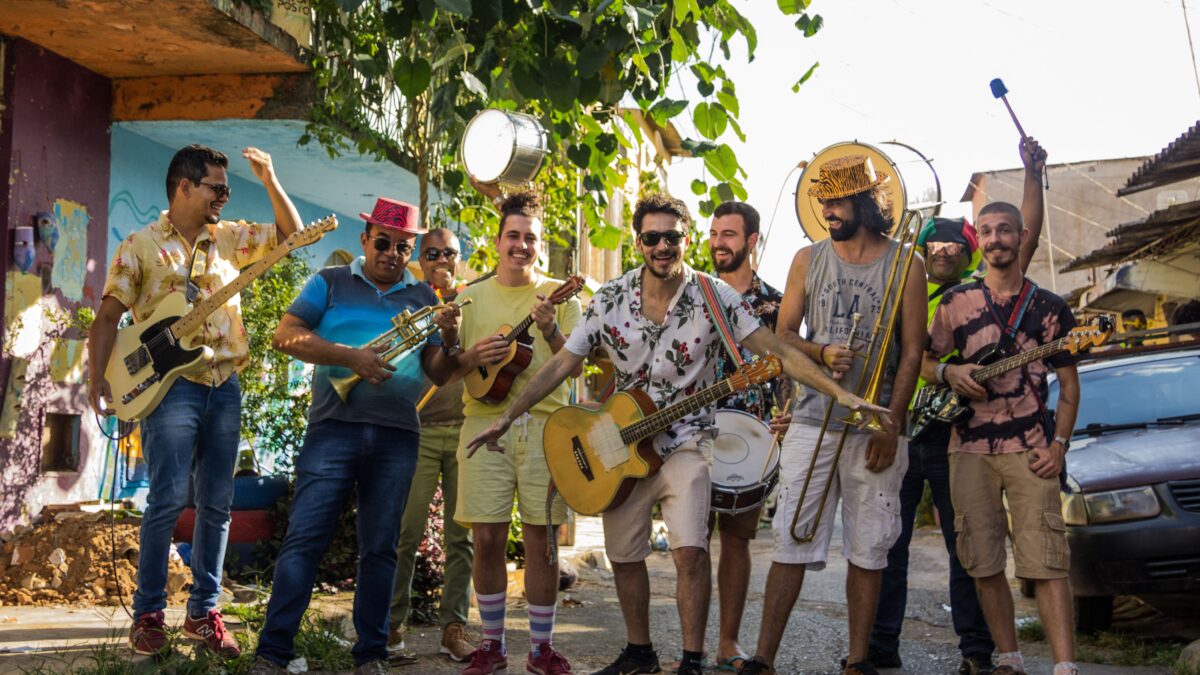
<point>503,147</point>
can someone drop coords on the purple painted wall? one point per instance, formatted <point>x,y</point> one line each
<point>54,144</point>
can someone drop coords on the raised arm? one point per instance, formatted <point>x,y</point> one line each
<point>1033,200</point>
<point>287,218</point>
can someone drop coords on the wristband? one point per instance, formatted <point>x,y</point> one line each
<point>821,354</point>
<point>940,373</point>
<point>552,333</point>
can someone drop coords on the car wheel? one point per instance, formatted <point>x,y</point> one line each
<point>1093,615</point>
<point>1028,588</point>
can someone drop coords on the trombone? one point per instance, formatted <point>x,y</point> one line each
<point>409,329</point>
<point>883,334</point>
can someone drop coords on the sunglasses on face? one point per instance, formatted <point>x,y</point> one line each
<point>383,244</point>
<point>219,189</point>
<point>651,239</point>
<point>948,248</point>
<point>432,254</point>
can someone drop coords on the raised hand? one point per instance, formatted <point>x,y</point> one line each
<point>260,164</point>
<point>1033,156</point>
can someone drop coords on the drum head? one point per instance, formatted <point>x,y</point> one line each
<point>488,145</point>
<point>913,183</point>
<point>743,451</point>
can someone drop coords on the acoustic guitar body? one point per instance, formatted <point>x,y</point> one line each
<point>591,469</point>
<point>492,383</point>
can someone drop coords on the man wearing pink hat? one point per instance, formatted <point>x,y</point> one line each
<point>367,442</point>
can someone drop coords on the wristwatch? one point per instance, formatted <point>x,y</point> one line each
<point>453,350</point>
<point>1063,441</point>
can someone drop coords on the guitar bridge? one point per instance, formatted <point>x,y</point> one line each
<point>581,459</point>
<point>141,387</point>
<point>137,359</point>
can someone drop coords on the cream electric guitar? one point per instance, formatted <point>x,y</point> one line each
<point>596,456</point>
<point>148,356</point>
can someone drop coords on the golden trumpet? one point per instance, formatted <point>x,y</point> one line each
<point>408,331</point>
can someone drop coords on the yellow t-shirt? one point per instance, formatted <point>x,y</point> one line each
<point>494,306</point>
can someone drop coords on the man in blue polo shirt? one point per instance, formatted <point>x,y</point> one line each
<point>368,441</point>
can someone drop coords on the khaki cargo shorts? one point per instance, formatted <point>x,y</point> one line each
<point>488,481</point>
<point>978,484</point>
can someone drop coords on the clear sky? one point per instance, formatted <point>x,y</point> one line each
<point>1090,79</point>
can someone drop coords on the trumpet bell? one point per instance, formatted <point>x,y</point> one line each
<point>912,183</point>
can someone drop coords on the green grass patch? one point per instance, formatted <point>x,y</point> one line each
<point>1030,630</point>
<point>1118,649</point>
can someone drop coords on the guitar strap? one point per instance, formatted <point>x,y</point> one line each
<point>720,319</point>
<point>198,266</point>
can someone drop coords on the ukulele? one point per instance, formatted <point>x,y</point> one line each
<point>491,382</point>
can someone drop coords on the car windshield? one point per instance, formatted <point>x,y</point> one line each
<point>1137,392</point>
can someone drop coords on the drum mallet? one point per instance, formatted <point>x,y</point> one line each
<point>1001,92</point>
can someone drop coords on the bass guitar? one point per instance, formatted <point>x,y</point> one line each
<point>492,382</point>
<point>940,403</point>
<point>595,456</point>
<point>148,356</point>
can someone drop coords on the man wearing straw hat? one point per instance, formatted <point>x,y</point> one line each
<point>366,443</point>
<point>837,285</point>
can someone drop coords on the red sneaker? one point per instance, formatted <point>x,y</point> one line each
<point>547,662</point>
<point>148,634</point>
<point>489,659</point>
<point>211,631</point>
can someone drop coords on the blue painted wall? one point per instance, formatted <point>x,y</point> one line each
<point>137,195</point>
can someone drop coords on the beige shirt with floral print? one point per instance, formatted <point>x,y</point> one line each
<point>155,261</point>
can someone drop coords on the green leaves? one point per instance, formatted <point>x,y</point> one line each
<point>462,7</point>
<point>810,25</point>
<point>665,109</point>
<point>792,6</point>
<point>710,119</point>
<point>412,76</point>
<point>804,78</point>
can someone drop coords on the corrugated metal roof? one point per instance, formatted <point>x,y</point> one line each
<point>1159,233</point>
<point>1178,161</point>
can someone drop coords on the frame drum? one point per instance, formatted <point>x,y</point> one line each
<point>914,185</point>
<point>745,462</point>
<point>503,147</point>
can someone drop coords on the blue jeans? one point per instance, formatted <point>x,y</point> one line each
<point>191,436</point>
<point>928,460</point>
<point>336,457</point>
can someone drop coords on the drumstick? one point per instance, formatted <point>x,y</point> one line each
<point>776,440</point>
<point>428,395</point>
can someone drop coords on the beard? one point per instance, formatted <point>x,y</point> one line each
<point>991,257</point>
<point>674,269</point>
<point>736,258</point>
<point>845,231</point>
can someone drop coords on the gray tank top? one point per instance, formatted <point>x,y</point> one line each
<point>834,291</point>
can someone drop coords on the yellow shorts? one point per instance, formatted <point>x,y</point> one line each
<point>489,481</point>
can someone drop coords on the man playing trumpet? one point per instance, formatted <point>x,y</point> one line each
<point>835,286</point>
<point>368,441</point>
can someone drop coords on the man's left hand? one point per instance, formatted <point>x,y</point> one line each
<point>1047,462</point>
<point>881,450</point>
<point>543,314</point>
<point>779,424</point>
<point>260,164</point>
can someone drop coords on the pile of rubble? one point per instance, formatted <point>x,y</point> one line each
<point>68,559</point>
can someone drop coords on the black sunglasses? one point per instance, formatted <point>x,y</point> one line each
<point>651,239</point>
<point>219,189</point>
<point>384,244</point>
<point>436,253</point>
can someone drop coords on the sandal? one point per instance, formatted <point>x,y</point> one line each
<point>733,663</point>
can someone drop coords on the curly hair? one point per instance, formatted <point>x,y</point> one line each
<point>523,203</point>
<point>660,203</point>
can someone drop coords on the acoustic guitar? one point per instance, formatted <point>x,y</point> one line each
<point>148,356</point>
<point>596,456</point>
<point>492,382</point>
<point>940,403</point>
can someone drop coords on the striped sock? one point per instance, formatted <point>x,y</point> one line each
<point>541,625</point>
<point>491,614</point>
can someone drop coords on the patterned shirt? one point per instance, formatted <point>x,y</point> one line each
<point>670,361</point>
<point>764,302</point>
<point>155,261</point>
<point>1011,419</point>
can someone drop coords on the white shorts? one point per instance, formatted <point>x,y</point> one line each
<point>870,501</point>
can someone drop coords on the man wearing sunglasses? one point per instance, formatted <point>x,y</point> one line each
<point>192,436</point>
<point>366,444</point>
<point>952,255</point>
<point>655,326</point>
<point>441,423</point>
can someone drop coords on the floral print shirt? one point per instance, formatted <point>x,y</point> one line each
<point>669,361</point>
<point>155,261</point>
<point>759,401</point>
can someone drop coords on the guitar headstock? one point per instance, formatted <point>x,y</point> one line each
<point>756,372</point>
<point>1089,335</point>
<point>312,233</point>
<point>570,287</point>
